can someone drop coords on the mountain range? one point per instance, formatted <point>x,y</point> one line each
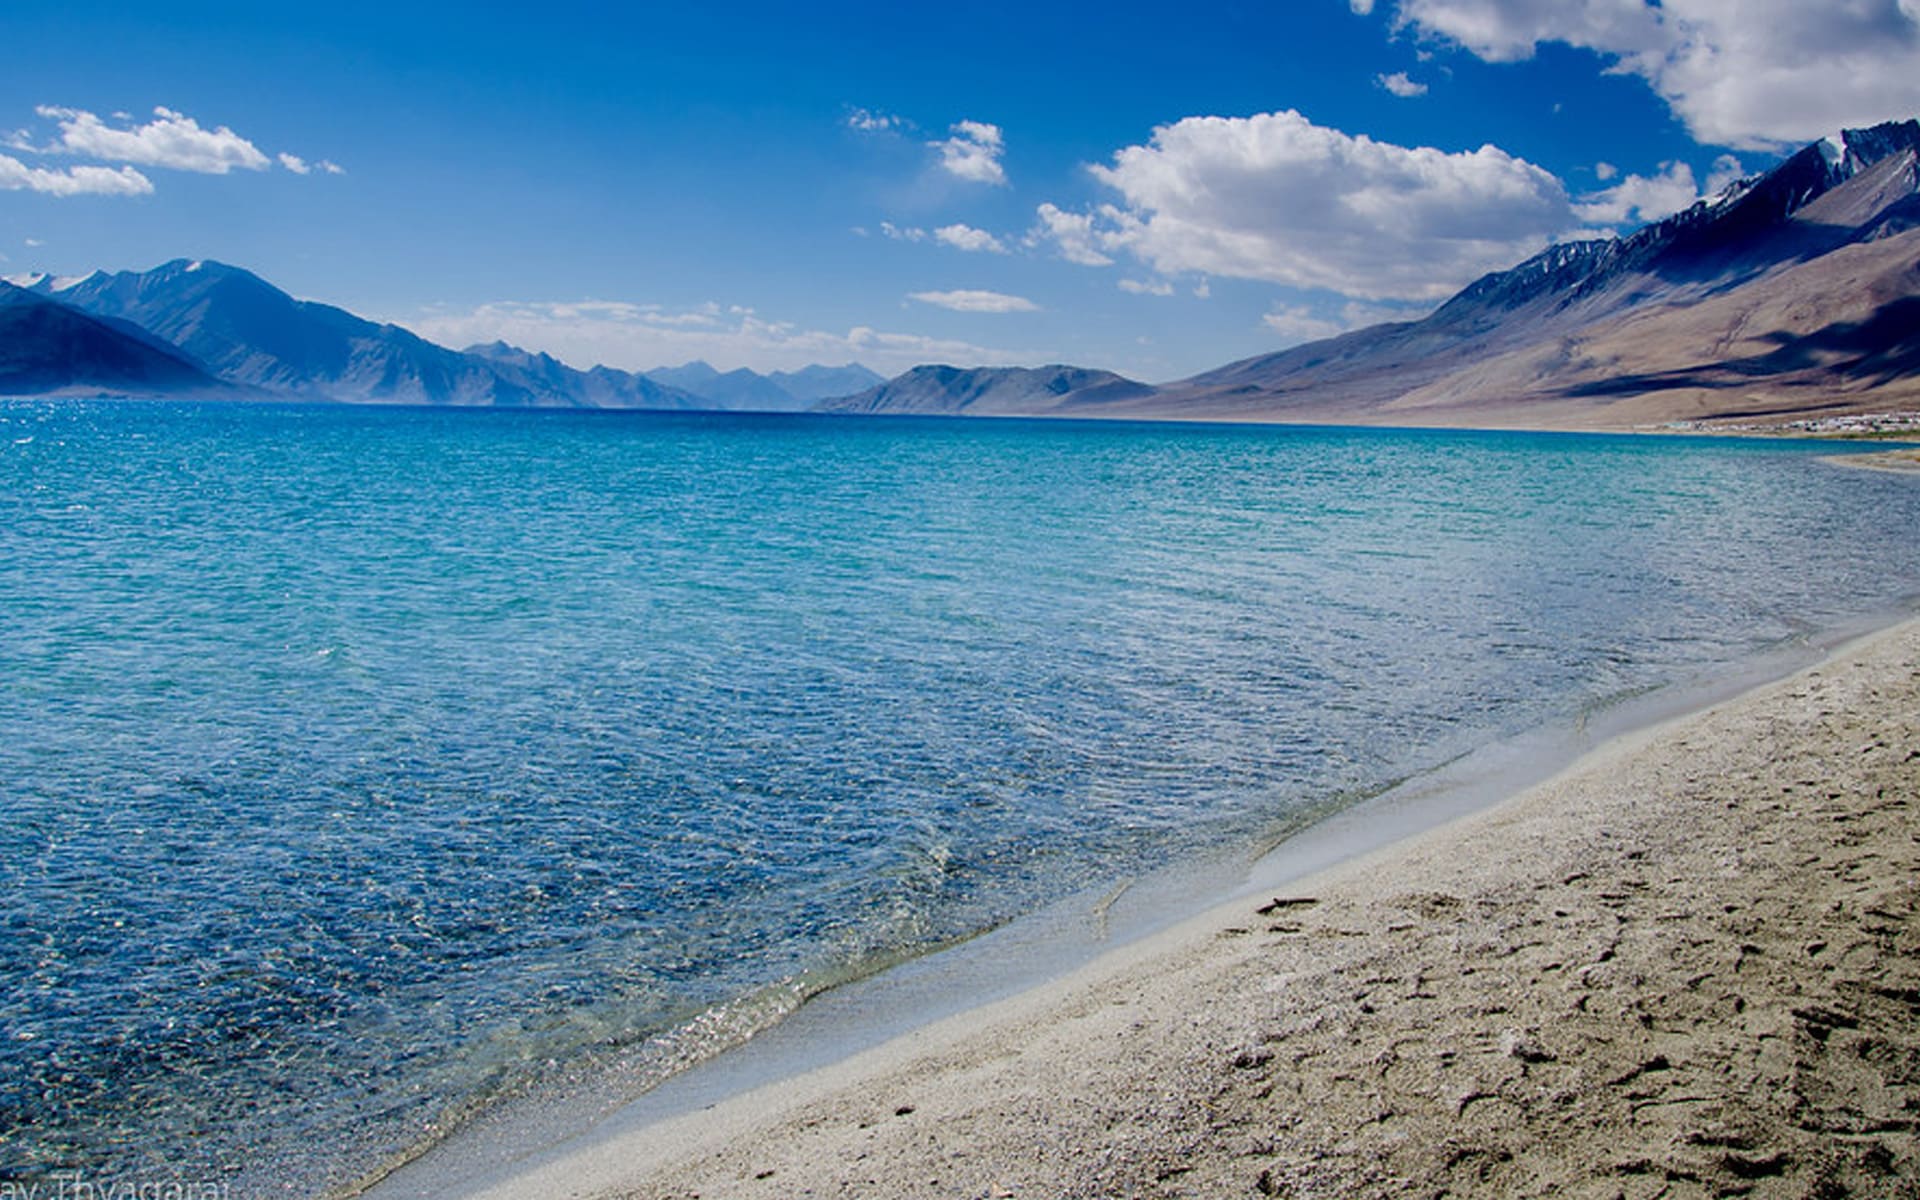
<point>47,347</point>
<point>779,391</point>
<point>237,335</point>
<point>1792,293</point>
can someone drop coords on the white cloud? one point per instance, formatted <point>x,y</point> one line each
<point>1746,73</point>
<point>1278,198</point>
<point>1361,7</point>
<point>902,234</point>
<point>1603,171</point>
<point>16,176</point>
<point>866,120</point>
<point>294,163</point>
<point>973,152</point>
<point>1297,323</point>
<point>1727,171</point>
<point>1640,199</point>
<point>1142,287</point>
<point>637,337</point>
<point>975,301</point>
<point>171,139</point>
<point>1073,233</point>
<point>966,237</point>
<point>1400,85</point>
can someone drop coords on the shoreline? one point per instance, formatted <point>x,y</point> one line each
<point>1024,1094</point>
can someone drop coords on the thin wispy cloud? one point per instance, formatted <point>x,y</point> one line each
<point>300,166</point>
<point>973,153</point>
<point>976,301</point>
<point>1309,322</point>
<point>639,337</point>
<point>865,120</point>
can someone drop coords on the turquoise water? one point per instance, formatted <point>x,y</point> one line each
<point>357,765</point>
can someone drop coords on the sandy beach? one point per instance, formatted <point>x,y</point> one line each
<point>1687,966</point>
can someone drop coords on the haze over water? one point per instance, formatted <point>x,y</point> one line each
<point>358,764</point>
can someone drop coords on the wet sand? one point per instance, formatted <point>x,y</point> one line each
<point>1905,460</point>
<point>1688,966</point>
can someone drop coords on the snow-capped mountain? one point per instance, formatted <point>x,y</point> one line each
<point>1791,292</point>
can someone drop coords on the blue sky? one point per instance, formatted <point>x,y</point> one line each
<point>1151,189</point>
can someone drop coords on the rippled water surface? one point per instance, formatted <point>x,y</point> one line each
<point>356,764</point>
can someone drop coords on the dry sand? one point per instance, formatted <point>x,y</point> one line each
<point>1690,966</point>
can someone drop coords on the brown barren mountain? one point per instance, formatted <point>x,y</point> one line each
<point>1795,294</point>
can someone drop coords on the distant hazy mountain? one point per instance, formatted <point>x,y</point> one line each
<point>816,383</point>
<point>47,347</point>
<point>252,334</point>
<point>781,391</point>
<point>1795,292</point>
<point>537,374</point>
<point>738,389</point>
<point>993,391</point>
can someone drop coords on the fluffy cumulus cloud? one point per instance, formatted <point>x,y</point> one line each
<point>1746,73</point>
<point>1073,234</point>
<point>16,176</point>
<point>1147,287</point>
<point>1400,85</point>
<point>1638,199</point>
<point>975,301</point>
<point>638,337</point>
<point>172,139</point>
<point>965,237</point>
<point>973,152</point>
<point>1277,198</point>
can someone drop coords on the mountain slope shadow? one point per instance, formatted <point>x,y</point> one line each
<point>1884,347</point>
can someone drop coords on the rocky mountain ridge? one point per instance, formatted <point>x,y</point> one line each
<point>1790,293</point>
<point>246,338</point>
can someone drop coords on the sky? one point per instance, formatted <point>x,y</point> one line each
<point>1148,188</point>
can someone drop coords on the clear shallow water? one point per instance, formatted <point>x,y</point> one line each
<point>357,764</point>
